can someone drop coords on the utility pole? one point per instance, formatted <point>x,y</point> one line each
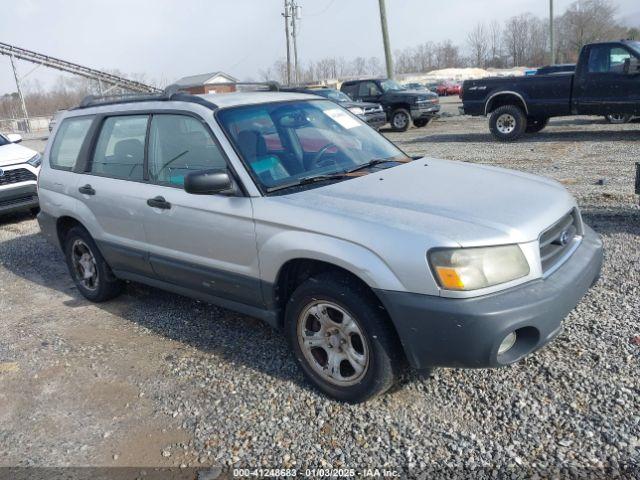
<point>20,96</point>
<point>551,34</point>
<point>286,15</point>
<point>295,16</point>
<point>385,39</point>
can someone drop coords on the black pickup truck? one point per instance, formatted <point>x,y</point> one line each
<point>402,106</point>
<point>606,81</point>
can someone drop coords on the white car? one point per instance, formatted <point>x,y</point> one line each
<point>19,169</point>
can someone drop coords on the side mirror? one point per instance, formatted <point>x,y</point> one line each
<point>632,66</point>
<point>14,138</point>
<point>209,182</point>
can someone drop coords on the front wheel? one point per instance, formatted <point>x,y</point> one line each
<point>90,272</point>
<point>618,118</point>
<point>507,123</point>
<point>400,120</point>
<point>342,338</point>
<point>421,122</point>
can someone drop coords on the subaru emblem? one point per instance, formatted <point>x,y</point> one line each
<point>564,238</point>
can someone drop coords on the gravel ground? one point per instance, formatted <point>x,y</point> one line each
<point>154,379</point>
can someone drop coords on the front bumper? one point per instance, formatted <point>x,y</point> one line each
<point>428,110</point>
<point>375,120</point>
<point>447,332</point>
<point>18,197</point>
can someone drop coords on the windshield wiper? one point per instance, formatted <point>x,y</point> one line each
<point>370,164</point>
<point>329,176</point>
<point>308,180</point>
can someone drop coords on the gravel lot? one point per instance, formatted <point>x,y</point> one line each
<point>154,379</point>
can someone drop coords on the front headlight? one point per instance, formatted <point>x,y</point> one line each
<point>356,110</point>
<point>474,268</point>
<point>35,161</point>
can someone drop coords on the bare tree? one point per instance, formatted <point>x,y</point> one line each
<point>478,42</point>
<point>588,21</point>
<point>495,44</point>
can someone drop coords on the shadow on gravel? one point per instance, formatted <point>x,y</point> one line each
<point>542,137</point>
<point>13,218</point>
<point>235,337</point>
<point>617,220</point>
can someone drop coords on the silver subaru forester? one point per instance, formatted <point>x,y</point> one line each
<point>289,208</point>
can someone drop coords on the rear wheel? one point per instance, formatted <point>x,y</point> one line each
<point>342,339</point>
<point>400,120</point>
<point>507,123</point>
<point>89,270</point>
<point>421,122</point>
<point>618,118</point>
<point>535,125</point>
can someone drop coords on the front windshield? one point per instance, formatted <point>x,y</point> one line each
<point>335,95</point>
<point>3,141</point>
<point>391,85</point>
<point>285,142</point>
<point>635,46</point>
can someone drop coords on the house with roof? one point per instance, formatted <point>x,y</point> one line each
<point>214,82</point>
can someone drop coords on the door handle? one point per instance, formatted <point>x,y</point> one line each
<point>87,190</point>
<point>159,202</point>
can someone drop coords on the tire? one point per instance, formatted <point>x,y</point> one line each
<point>507,123</point>
<point>421,123</point>
<point>83,256</point>
<point>326,302</point>
<point>400,120</point>
<point>618,118</point>
<point>535,125</point>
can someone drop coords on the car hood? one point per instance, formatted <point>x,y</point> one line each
<point>13,153</point>
<point>469,204</point>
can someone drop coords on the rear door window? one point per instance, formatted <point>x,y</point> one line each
<point>119,152</point>
<point>68,142</point>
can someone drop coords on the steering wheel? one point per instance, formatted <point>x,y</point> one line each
<point>315,161</point>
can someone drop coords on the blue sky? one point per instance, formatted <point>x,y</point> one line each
<point>167,39</point>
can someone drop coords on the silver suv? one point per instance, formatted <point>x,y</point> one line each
<point>289,208</point>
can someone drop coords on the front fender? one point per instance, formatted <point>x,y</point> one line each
<point>278,249</point>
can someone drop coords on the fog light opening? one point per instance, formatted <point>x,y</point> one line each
<point>508,342</point>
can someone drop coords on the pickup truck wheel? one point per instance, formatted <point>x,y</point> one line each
<point>535,125</point>
<point>507,123</point>
<point>342,339</point>
<point>88,268</point>
<point>618,118</point>
<point>421,123</point>
<point>400,120</point>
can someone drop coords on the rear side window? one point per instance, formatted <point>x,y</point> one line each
<point>68,141</point>
<point>179,144</point>
<point>119,152</point>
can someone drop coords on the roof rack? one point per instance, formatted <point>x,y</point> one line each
<point>259,86</point>
<point>171,93</point>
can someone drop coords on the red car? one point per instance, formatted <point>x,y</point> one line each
<point>454,89</point>
<point>445,89</point>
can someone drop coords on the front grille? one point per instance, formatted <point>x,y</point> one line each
<point>16,176</point>
<point>557,239</point>
<point>17,201</point>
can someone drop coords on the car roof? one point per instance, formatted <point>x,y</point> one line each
<point>226,100</point>
<point>212,101</point>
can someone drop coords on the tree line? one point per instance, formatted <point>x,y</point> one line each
<point>522,40</point>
